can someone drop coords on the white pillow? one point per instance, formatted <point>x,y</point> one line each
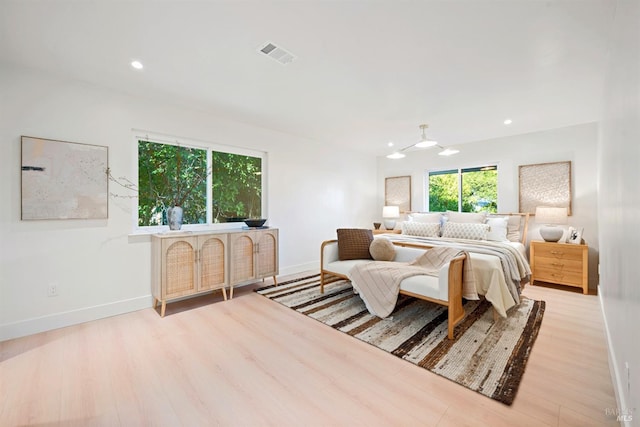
<point>497,228</point>
<point>425,217</point>
<point>465,230</point>
<point>513,228</point>
<point>467,217</point>
<point>422,229</point>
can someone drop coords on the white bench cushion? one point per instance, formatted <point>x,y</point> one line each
<point>429,286</point>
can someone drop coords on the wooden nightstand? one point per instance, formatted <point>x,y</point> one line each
<point>560,263</point>
<point>386,231</point>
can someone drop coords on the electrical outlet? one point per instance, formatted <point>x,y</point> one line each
<point>52,290</point>
<point>626,365</point>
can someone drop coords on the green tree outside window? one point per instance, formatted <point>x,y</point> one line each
<point>174,175</point>
<point>478,188</point>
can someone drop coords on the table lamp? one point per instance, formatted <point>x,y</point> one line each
<point>551,217</point>
<point>389,215</point>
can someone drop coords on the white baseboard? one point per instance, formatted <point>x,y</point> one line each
<point>616,378</point>
<point>301,268</point>
<point>68,318</point>
<point>60,320</point>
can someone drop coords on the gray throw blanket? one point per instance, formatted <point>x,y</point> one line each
<point>378,282</point>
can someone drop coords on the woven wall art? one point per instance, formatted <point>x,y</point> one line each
<point>545,184</point>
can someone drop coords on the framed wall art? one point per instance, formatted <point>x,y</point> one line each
<point>397,192</point>
<point>545,184</point>
<point>574,235</point>
<point>63,180</point>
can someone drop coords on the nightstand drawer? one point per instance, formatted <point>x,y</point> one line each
<point>564,277</point>
<point>560,251</point>
<point>558,265</point>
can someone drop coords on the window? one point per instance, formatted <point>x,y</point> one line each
<point>211,186</point>
<point>464,190</point>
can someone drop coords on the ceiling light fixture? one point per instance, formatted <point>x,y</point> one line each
<point>508,121</point>
<point>448,152</point>
<point>137,65</point>
<point>423,143</point>
<point>396,155</point>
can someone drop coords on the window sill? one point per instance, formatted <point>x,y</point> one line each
<point>187,228</point>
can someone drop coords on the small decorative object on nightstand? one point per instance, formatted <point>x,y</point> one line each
<point>560,263</point>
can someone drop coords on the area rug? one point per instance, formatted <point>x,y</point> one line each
<point>486,356</point>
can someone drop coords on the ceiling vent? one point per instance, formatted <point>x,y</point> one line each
<point>277,53</point>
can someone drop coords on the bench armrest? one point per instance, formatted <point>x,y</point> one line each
<point>328,252</point>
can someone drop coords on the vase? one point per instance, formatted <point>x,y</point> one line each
<point>174,217</point>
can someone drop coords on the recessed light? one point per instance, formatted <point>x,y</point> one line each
<point>390,144</point>
<point>137,65</point>
<point>508,121</point>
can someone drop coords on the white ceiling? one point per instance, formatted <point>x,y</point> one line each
<point>367,72</point>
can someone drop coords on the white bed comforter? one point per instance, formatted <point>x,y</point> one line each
<point>498,267</point>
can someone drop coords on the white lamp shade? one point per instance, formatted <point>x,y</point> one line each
<point>551,215</point>
<point>390,212</point>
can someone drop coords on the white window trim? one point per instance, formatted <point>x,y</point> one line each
<point>138,135</point>
<point>459,169</point>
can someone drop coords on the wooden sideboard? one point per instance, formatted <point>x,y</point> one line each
<point>191,263</point>
<point>560,263</point>
<point>253,255</point>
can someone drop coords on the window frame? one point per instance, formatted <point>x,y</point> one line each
<point>210,147</point>
<point>459,171</point>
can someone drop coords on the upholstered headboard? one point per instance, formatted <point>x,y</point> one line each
<point>518,223</point>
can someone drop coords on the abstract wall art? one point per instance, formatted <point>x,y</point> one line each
<point>63,180</point>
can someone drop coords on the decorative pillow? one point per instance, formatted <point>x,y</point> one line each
<point>497,228</point>
<point>467,217</point>
<point>353,243</point>
<point>425,217</point>
<point>421,229</point>
<point>382,249</point>
<point>461,230</point>
<point>513,228</point>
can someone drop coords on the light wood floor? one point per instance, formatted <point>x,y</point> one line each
<point>252,362</point>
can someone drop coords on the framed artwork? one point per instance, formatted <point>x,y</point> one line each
<point>63,180</point>
<point>397,192</point>
<point>545,184</point>
<point>574,236</point>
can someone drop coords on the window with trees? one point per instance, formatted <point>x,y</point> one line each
<point>464,190</point>
<point>211,186</point>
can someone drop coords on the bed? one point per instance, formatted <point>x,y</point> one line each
<point>495,243</point>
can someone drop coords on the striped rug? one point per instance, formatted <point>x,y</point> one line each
<point>485,356</point>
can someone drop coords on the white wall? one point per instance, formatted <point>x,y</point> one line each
<point>100,269</point>
<point>575,143</point>
<point>619,208</point>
